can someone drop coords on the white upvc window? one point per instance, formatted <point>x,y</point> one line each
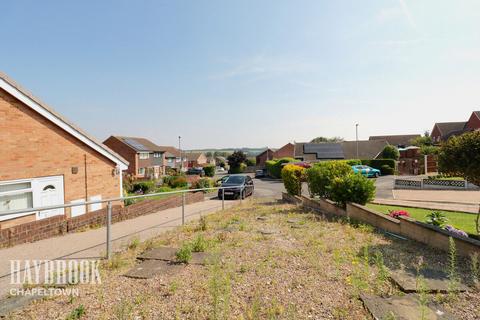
<point>16,196</point>
<point>141,171</point>
<point>157,155</point>
<point>144,155</point>
<point>170,160</point>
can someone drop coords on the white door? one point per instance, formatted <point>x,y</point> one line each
<point>48,191</point>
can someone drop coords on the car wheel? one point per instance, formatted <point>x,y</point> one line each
<point>243,194</point>
<point>377,174</point>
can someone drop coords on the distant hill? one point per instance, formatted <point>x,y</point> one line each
<point>250,152</point>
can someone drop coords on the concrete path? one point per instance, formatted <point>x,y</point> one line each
<point>451,196</point>
<point>447,206</point>
<point>91,243</point>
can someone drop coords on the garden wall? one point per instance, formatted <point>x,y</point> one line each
<point>59,225</point>
<point>406,227</point>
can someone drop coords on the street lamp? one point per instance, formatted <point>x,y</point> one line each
<point>356,136</point>
<point>180,149</point>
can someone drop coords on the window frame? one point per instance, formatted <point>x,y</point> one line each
<point>144,155</point>
<point>15,192</point>
<point>141,174</point>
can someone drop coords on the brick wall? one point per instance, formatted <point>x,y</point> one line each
<point>59,225</point>
<point>34,147</point>
<point>125,151</point>
<point>285,151</point>
<point>406,227</point>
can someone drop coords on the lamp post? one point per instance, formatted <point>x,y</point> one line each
<point>356,136</point>
<point>180,149</point>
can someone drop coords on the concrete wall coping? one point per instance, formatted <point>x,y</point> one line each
<point>384,216</point>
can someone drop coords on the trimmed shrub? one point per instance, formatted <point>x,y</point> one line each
<point>143,187</point>
<point>209,170</point>
<point>203,183</point>
<point>353,162</point>
<point>238,169</point>
<point>178,182</point>
<point>352,188</point>
<point>274,167</point>
<point>250,162</point>
<point>378,163</point>
<point>292,177</point>
<point>386,170</point>
<point>390,152</point>
<point>320,176</point>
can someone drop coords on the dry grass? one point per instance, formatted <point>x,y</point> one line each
<point>315,270</point>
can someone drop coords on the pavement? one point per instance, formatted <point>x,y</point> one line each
<point>91,244</point>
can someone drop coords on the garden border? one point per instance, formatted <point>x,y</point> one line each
<point>404,226</point>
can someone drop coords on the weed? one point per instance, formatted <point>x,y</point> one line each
<point>253,312</point>
<point>382,271</point>
<point>115,262</point>
<point>452,269</point>
<point>149,244</point>
<point>474,268</point>
<point>243,269</point>
<point>390,316</point>
<point>184,254</point>
<point>134,244</point>
<point>202,225</point>
<point>123,310</point>
<point>76,313</point>
<point>422,296</point>
<point>199,244</point>
<point>275,310</point>
<point>173,287</point>
<point>219,289</point>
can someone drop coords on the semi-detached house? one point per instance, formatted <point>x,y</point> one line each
<point>46,160</point>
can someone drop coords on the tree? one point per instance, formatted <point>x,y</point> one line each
<point>209,154</point>
<point>236,159</point>
<point>390,152</point>
<point>324,139</point>
<point>425,140</point>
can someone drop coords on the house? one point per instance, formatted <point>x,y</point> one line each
<point>46,160</point>
<point>399,140</point>
<point>443,130</point>
<point>174,158</point>
<point>146,159</point>
<point>314,152</point>
<point>196,159</point>
<point>269,154</point>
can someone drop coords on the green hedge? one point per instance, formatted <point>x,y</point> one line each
<point>352,188</point>
<point>321,175</point>
<point>240,169</point>
<point>274,167</point>
<point>209,170</point>
<point>379,163</point>
<point>292,177</point>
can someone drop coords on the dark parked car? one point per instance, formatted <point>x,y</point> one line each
<point>260,173</point>
<point>196,171</point>
<point>237,186</point>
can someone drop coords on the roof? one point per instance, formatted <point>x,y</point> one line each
<point>140,144</point>
<point>324,150</point>
<point>27,98</point>
<point>268,149</point>
<point>174,152</point>
<point>367,149</point>
<point>447,128</point>
<point>397,140</point>
<point>192,156</point>
<point>477,113</point>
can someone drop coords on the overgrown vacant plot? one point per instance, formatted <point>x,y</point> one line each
<point>270,261</point>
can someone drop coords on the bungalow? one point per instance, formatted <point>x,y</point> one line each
<point>269,154</point>
<point>314,152</point>
<point>145,157</point>
<point>46,160</point>
<point>443,130</point>
<point>398,140</point>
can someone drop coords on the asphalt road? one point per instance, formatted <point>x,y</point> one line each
<point>268,188</point>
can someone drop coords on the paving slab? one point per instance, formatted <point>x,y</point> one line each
<point>435,280</point>
<point>201,258</point>
<point>148,269</point>
<point>162,253</point>
<point>12,303</point>
<point>405,307</point>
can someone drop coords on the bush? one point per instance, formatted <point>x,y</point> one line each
<point>353,162</point>
<point>250,162</point>
<point>386,170</point>
<point>184,254</point>
<point>352,188</point>
<point>274,167</point>
<point>320,176</point>
<point>143,187</point>
<point>238,169</point>
<point>292,177</point>
<point>436,218</point>
<point>178,182</point>
<point>209,170</point>
<point>378,163</point>
<point>203,183</point>
<point>390,152</point>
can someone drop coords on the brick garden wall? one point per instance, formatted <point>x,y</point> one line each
<point>60,225</point>
<point>406,227</point>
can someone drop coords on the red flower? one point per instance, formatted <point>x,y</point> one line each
<point>397,213</point>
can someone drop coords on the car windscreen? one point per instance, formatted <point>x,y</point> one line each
<point>235,180</point>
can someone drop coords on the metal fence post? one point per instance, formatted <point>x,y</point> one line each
<point>109,230</point>
<point>223,199</point>
<point>241,192</point>
<point>183,208</point>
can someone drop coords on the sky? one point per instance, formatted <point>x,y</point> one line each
<point>247,73</point>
